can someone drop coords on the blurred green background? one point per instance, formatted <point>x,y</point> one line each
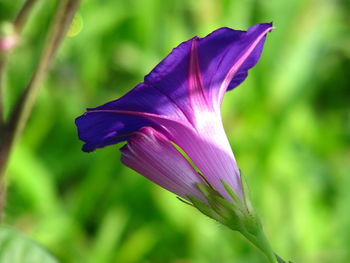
<point>288,124</point>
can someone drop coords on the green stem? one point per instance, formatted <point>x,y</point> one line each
<point>279,259</point>
<point>24,106</point>
<point>13,128</point>
<point>260,241</point>
<point>19,23</point>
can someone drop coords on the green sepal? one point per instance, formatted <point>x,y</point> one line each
<point>206,190</point>
<point>236,214</point>
<point>230,191</point>
<point>246,194</point>
<point>202,207</point>
<point>211,196</point>
<point>184,201</point>
<point>252,221</point>
<point>230,213</point>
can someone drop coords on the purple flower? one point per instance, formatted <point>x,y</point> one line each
<point>179,104</point>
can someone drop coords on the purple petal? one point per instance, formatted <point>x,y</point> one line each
<point>170,77</point>
<point>104,125</point>
<point>107,128</point>
<point>224,58</point>
<point>226,55</point>
<point>190,80</point>
<point>209,149</point>
<point>151,154</point>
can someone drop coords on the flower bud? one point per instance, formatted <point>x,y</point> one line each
<point>8,37</point>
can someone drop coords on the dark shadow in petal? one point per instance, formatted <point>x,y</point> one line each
<point>105,128</point>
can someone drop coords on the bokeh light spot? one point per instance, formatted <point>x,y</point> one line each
<point>76,26</point>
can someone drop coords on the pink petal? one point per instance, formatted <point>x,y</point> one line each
<point>151,154</point>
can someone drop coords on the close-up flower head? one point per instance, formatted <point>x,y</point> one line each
<point>179,102</point>
<point>146,131</point>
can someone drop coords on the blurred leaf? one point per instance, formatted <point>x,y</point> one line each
<point>16,248</point>
<point>109,234</point>
<point>37,185</point>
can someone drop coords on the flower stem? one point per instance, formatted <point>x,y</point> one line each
<point>12,129</point>
<point>279,259</point>
<point>23,15</point>
<point>260,241</point>
<point>18,23</point>
<point>24,105</point>
<point>2,73</point>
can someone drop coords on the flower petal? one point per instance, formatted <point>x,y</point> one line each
<point>226,55</point>
<point>224,58</point>
<point>103,125</point>
<point>171,77</point>
<point>209,149</point>
<point>106,128</point>
<point>152,155</point>
<point>190,80</point>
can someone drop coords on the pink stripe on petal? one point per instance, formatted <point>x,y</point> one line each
<point>197,94</point>
<point>151,154</point>
<point>236,66</point>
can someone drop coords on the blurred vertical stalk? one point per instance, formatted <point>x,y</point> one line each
<point>13,127</point>
<point>2,73</point>
<point>18,24</point>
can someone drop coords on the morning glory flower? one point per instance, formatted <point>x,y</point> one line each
<point>179,103</point>
<point>172,126</point>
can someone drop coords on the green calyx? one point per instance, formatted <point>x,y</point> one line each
<point>236,213</point>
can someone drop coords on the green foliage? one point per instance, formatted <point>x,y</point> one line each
<point>16,248</point>
<point>288,124</point>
